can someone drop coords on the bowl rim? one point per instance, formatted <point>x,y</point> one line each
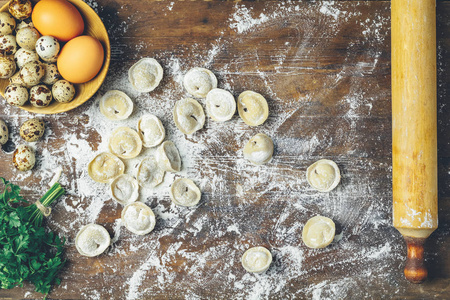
<point>106,44</point>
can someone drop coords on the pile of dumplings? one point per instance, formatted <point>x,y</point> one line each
<point>126,143</point>
<point>189,117</point>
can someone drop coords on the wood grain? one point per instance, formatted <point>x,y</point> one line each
<point>327,81</point>
<point>414,113</point>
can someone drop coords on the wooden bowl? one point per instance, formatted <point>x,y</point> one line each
<point>93,26</point>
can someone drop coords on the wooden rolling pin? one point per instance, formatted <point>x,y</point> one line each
<point>414,132</point>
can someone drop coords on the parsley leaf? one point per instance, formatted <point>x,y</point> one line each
<point>28,252</point>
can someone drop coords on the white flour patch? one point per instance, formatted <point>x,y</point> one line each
<point>328,9</point>
<point>242,20</point>
<point>136,280</point>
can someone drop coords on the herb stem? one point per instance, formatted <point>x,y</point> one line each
<point>36,215</point>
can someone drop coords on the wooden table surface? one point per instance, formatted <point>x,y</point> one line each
<point>325,69</point>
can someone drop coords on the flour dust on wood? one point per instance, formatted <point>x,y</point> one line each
<point>242,205</point>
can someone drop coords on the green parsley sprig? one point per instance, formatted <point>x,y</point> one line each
<point>28,252</point>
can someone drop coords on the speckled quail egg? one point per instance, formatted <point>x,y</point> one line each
<point>51,75</point>
<point>4,133</point>
<point>16,94</point>
<point>32,130</point>
<point>20,9</point>
<point>23,56</point>
<point>40,96</point>
<point>16,79</point>
<point>8,45</point>
<point>7,67</point>
<point>24,23</point>
<point>24,158</point>
<point>63,91</point>
<point>47,47</point>
<point>27,38</point>
<point>7,23</point>
<point>31,73</point>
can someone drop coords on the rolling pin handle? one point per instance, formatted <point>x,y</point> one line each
<point>415,270</point>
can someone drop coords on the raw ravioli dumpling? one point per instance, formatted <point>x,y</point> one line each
<point>105,167</point>
<point>145,75</point>
<point>125,189</point>
<point>92,240</point>
<point>151,130</point>
<point>220,105</point>
<point>125,142</point>
<point>168,157</point>
<point>252,108</point>
<point>199,81</point>
<point>138,218</point>
<point>259,149</point>
<point>323,175</point>
<point>188,115</point>
<point>256,260</point>
<point>116,105</point>
<point>149,174</point>
<point>318,232</point>
<point>184,192</point>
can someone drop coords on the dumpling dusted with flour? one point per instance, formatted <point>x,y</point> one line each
<point>256,260</point>
<point>92,240</point>
<point>199,81</point>
<point>259,149</point>
<point>151,130</point>
<point>323,175</point>
<point>125,142</point>
<point>125,189</point>
<point>253,108</point>
<point>220,105</point>
<point>149,174</point>
<point>116,105</point>
<point>318,232</point>
<point>145,75</point>
<point>184,192</point>
<point>168,157</point>
<point>138,218</point>
<point>188,115</point>
<point>105,167</point>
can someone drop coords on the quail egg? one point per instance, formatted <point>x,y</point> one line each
<point>27,38</point>
<point>16,79</point>
<point>24,56</point>
<point>20,9</point>
<point>7,23</point>
<point>31,73</point>
<point>16,94</point>
<point>51,75</point>
<point>24,158</point>
<point>24,23</point>
<point>47,47</point>
<point>40,96</point>
<point>8,45</point>
<point>7,67</point>
<point>4,133</point>
<point>63,91</point>
<point>32,130</point>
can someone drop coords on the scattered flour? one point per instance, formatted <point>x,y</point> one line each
<point>329,9</point>
<point>220,171</point>
<point>242,20</point>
